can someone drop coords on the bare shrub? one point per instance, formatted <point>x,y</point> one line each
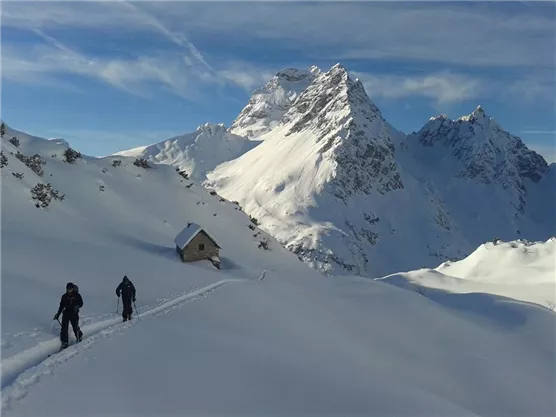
<point>34,162</point>
<point>3,160</point>
<point>14,141</point>
<point>71,155</point>
<point>142,163</point>
<point>44,193</point>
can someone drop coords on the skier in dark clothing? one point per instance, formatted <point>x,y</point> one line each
<point>70,304</point>
<point>127,290</point>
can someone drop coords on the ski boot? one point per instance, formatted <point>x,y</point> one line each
<point>79,337</point>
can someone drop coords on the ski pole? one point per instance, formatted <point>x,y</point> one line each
<point>137,311</point>
<point>118,305</point>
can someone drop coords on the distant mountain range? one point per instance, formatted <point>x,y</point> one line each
<point>313,160</point>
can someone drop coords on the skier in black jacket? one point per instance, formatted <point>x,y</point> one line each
<point>127,291</point>
<point>70,304</point>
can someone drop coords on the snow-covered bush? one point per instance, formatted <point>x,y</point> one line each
<point>34,162</point>
<point>116,163</point>
<point>71,155</point>
<point>44,193</point>
<point>18,175</point>
<point>254,220</point>
<point>2,129</point>
<point>141,163</point>
<point>3,160</point>
<point>14,141</point>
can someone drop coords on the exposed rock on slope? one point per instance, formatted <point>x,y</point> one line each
<point>268,104</point>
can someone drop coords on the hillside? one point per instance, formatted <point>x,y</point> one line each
<point>521,270</point>
<point>264,336</point>
<point>195,153</point>
<point>114,219</point>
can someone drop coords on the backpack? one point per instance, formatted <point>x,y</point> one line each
<point>76,288</point>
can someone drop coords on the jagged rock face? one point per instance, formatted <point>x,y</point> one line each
<point>268,104</point>
<point>336,109</point>
<point>485,149</point>
<point>485,152</point>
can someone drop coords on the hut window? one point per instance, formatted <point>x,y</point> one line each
<point>201,246</point>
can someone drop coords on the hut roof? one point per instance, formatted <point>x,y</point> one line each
<point>188,233</point>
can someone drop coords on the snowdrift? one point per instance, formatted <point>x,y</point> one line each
<point>521,270</point>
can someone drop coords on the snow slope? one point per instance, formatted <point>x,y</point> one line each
<point>114,220</point>
<point>520,270</point>
<point>265,335</point>
<point>197,152</point>
<point>507,262</point>
<point>339,186</point>
<point>269,103</point>
<point>284,347</point>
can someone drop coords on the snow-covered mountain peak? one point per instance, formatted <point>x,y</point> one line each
<point>315,70</point>
<point>478,115</point>
<point>332,150</point>
<point>483,146</point>
<point>478,151</point>
<point>268,104</point>
<point>335,100</point>
<point>217,130</point>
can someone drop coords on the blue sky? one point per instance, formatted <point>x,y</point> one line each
<point>109,76</point>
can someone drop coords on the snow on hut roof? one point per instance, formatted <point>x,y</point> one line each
<point>187,235</point>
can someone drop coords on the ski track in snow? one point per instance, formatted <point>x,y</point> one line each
<point>24,369</point>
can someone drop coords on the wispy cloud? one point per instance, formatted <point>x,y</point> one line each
<point>539,132</point>
<point>441,87</point>
<point>471,34</point>
<point>179,38</point>
<point>452,33</point>
<point>245,75</point>
<point>46,64</point>
<point>533,87</point>
<point>49,62</point>
<point>449,34</point>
